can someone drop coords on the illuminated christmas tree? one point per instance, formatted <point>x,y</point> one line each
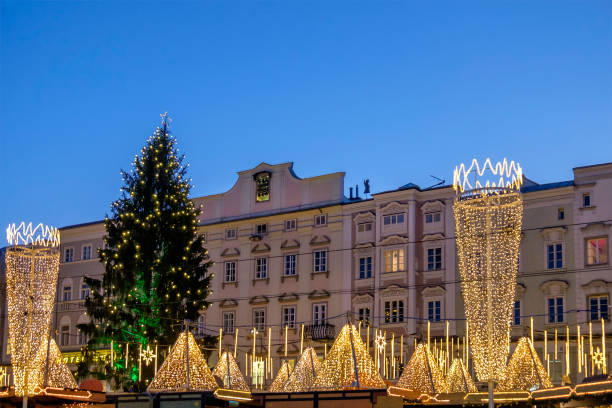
<point>281,378</point>
<point>348,364</point>
<point>524,371</point>
<point>184,369</point>
<point>303,376</point>
<point>228,374</point>
<point>458,379</point>
<point>422,374</point>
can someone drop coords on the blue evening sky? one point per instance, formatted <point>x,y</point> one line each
<point>393,91</point>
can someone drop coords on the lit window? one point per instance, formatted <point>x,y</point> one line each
<point>231,233</point>
<point>586,200</point>
<point>555,310</point>
<point>434,311</point>
<point>86,252</point>
<point>290,225</point>
<point>394,260</point>
<point>434,259</point>
<point>555,256</point>
<point>394,311</point>
<point>365,267</point>
<point>289,317</point>
<point>598,307</point>
<point>364,315</point>
<point>432,217</point>
<point>262,185</point>
<point>67,293</point>
<point>259,319</point>
<point>291,265</point>
<point>320,261</point>
<point>320,220</point>
<point>261,268</point>
<point>228,322</point>
<point>597,251</point>
<point>516,318</point>
<point>364,227</point>
<point>230,272</point>
<point>319,313</point>
<point>69,255</point>
<point>393,219</point>
<point>262,229</point>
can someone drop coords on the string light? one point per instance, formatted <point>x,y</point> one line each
<point>184,369</point>
<point>58,375</point>
<point>524,371</point>
<point>347,354</point>
<point>281,378</point>
<point>488,224</point>
<point>304,373</point>
<point>227,373</point>
<point>32,266</point>
<point>422,373</point>
<point>458,379</point>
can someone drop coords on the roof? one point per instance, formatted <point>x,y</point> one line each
<point>547,186</point>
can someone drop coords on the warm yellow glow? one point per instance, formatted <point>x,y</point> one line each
<point>304,373</point>
<point>184,369</point>
<point>27,234</point>
<point>227,373</point>
<point>422,373</point>
<point>58,373</point>
<point>603,345</point>
<point>510,176</point>
<point>458,379</point>
<point>281,378</point>
<point>524,370</point>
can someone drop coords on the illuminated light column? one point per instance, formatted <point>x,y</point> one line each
<point>32,266</point>
<point>488,217</point>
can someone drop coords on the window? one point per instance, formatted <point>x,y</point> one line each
<point>320,261</point>
<point>320,220</point>
<point>231,233</point>
<point>586,200</point>
<point>291,225</point>
<point>560,213</point>
<point>65,336</point>
<point>598,307</point>
<point>84,290</point>
<point>262,229</point>
<point>69,255</point>
<point>432,217</point>
<point>364,315</point>
<point>82,338</point>
<point>394,260</point>
<point>393,219</point>
<point>364,227</point>
<point>516,313</point>
<point>261,268</point>
<point>555,310</point>
<point>230,272</point>
<point>394,311</point>
<point>319,313</point>
<point>67,293</point>
<point>597,251</point>
<point>434,311</point>
<point>201,327</point>
<point>262,186</point>
<point>555,256</point>
<point>228,322</point>
<point>365,267</point>
<point>434,259</point>
<point>289,317</point>
<point>291,265</point>
<point>86,252</point>
<point>259,319</point>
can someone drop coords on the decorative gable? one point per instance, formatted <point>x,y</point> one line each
<point>259,300</point>
<point>288,297</point>
<point>290,244</point>
<point>320,240</point>
<point>553,234</point>
<point>432,206</point>
<point>260,247</point>
<point>364,217</point>
<point>230,252</point>
<point>432,291</point>
<point>554,287</point>
<point>227,303</point>
<point>393,290</point>
<point>394,207</point>
<point>433,237</point>
<point>363,298</point>
<point>393,240</point>
<point>318,294</point>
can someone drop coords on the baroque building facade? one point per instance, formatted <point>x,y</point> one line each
<point>292,251</point>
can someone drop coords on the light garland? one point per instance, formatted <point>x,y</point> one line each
<point>304,373</point>
<point>184,369</point>
<point>228,374</point>
<point>524,370</point>
<point>347,354</point>
<point>458,379</point>
<point>422,373</point>
<point>281,378</point>
<point>488,232</point>
<point>32,266</point>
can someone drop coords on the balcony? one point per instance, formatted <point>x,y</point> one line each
<point>323,331</point>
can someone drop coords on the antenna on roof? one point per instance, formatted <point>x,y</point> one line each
<point>440,182</point>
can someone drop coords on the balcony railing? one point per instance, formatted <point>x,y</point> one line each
<point>69,305</point>
<point>321,331</point>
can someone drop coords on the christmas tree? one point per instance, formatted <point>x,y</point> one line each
<point>458,379</point>
<point>156,267</point>
<point>422,374</point>
<point>303,376</point>
<point>348,364</point>
<point>524,371</point>
<point>278,385</point>
<point>184,369</point>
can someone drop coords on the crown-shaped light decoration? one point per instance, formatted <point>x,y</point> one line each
<point>27,234</point>
<point>487,178</point>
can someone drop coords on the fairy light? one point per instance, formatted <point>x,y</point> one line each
<point>567,351</point>
<point>422,373</point>
<point>281,378</point>
<point>184,365</point>
<point>302,339</point>
<point>603,346</point>
<point>524,370</point>
<point>269,364</point>
<point>32,266</point>
<point>591,346</point>
<point>579,347</point>
<point>347,354</point>
<point>488,219</point>
<point>458,379</point>
<point>58,373</point>
<point>286,334</point>
<point>556,344</point>
<point>227,373</point>
<point>304,373</point>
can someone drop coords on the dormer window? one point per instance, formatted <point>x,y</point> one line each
<point>432,217</point>
<point>262,186</point>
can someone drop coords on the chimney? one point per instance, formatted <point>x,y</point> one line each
<point>356,191</point>
<point>351,190</point>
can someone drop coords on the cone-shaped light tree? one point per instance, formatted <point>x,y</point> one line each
<point>422,374</point>
<point>184,369</point>
<point>348,364</point>
<point>228,374</point>
<point>524,371</point>
<point>278,385</point>
<point>303,375</point>
<point>458,379</point>
<point>155,265</point>
<point>58,375</point>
